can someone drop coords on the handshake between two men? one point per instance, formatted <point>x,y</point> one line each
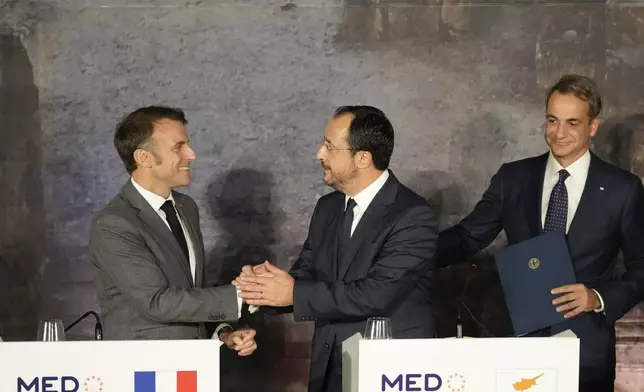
<point>260,285</point>
<point>265,285</point>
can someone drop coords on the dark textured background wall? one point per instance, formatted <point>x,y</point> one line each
<point>462,81</point>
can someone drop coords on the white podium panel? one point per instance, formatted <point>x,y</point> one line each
<point>110,366</point>
<point>461,365</point>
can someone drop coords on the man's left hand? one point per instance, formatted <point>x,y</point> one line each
<point>576,298</point>
<point>273,289</point>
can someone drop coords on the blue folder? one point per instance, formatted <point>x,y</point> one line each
<point>528,271</point>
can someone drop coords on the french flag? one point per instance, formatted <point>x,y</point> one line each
<point>165,381</point>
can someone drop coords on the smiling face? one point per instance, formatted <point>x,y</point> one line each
<point>167,157</point>
<point>568,127</point>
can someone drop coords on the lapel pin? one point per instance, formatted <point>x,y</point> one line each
<point>601,188</point>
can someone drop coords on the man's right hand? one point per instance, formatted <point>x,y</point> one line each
<point>241,340</point>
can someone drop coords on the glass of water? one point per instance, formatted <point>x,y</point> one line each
<point>378,328</point>
<point>51,331</point>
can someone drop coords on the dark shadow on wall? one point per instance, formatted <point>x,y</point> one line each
<point>241,203</point>
<point>484,295</point>
<point>619,141</point>
<point>22,215</point>
<point>444,195</point>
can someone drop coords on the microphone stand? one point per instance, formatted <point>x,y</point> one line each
<point>459,325</point>
<point>98,328</point>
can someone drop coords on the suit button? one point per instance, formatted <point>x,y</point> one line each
<point>326,345</point>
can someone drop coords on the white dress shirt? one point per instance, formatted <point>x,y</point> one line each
<point>364,198</point>
<point>575,183</point>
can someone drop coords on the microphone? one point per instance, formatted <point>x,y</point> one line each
<point>459,325</point>
<point>98,328</point>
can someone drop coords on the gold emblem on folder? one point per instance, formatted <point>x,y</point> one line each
<point>534,263</point>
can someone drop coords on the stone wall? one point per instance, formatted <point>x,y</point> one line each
<point>462,81</point>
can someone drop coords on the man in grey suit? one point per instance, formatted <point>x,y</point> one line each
<point>147,247</point>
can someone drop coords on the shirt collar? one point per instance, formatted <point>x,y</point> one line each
<point>578,170</point>
<point>152,198</point>
<point>364,198</point>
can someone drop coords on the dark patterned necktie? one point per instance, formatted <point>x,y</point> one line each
<point>557,214</point>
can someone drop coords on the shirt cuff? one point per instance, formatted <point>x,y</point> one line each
<point>251,308</point>
<point>219,328</point>
<point>600,309</point>
<point>239,304</point>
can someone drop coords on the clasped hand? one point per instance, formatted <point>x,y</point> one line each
<point>265,285</point>
<point>241,340</point>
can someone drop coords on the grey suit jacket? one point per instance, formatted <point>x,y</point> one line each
<point>143,278</point>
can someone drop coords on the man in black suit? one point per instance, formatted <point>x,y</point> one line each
<point>601,208</point>
<point>369,250</point>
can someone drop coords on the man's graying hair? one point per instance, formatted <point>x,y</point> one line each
<point>581,87</point>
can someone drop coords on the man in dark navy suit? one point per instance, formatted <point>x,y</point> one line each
<point>601,209</point>
<point>369,251</point>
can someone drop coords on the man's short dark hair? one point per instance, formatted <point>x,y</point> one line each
<point>581,87</point>
<point>371,131</point>
<point>135,129</point>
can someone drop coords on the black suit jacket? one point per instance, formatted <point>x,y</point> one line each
<point>385,272</point>
<point>609,218</point>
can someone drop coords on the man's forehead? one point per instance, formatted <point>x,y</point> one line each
<point>169,131</point>
<point>559,102</point>
<point>168,124</point>
<point>338,127</point>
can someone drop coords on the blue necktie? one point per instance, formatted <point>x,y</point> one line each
<point>557,214</point>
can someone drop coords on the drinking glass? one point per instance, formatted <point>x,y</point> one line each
<point>51,331</point>
<point>378,328</point>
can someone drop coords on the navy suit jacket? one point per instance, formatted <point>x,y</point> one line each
<point>384,272</point>
<point>609,218</point>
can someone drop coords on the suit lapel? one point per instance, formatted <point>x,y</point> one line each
<point>369,223</point>
<point>156,225</point>
<point>532,194</point>
<point>591,198</point>
<point>196,243</point>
